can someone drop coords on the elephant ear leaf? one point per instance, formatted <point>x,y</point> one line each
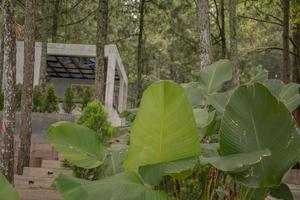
<point>77,143</point>
<point>6,190</point>
<point>123,186</point>
<point>255,120</point>
<point>287,93</point>
<point>235,162</point>
<point>290,96</point>
<point>164,129</point>
<point>214,76</point>
<point>281,192</point>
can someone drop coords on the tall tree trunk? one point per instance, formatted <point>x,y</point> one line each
<point>1,52</point>
<point>204,34</point>
<point>102,25</point>
<point>296,46</point>
<point>285,71</point>
<point>140,50</point>
<point>55,20</point>
<point>44,35</point>
<point>223,36</point>
<point>27,87</point>
<point>233,43</point>
<point>9,65</point>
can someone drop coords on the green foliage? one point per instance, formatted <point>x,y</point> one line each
<point>69,101</point>
<point>1,99</point>
<point>95,117</point>
<point>251,147</point>
<point>248,127</point>
<point>18,96</point>
<point>6,190</point>
<point>51,100</point>
<point>87,96</point>
<point>161,119</point>
<point>123,186</point>
<point>70,140</point>
<point>38,100</point>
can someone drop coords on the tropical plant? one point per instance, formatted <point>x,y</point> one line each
<point>69,101</point>
<point>38,100</point>
<point>51,100</point>
<point>241,143</point>
<point>94,117</point>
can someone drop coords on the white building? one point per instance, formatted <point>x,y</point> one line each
<point>74,64</point>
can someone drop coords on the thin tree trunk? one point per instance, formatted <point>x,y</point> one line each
<point>9,65</point>
<point>44,35</point>
<point>140,50</point>
<point>233,43</point>
<point>285,72</point>
<point>296,46</point>
<point>1,53</point>
<point>55,20</point>
<point>223,36</point>
<point>102,25</point>
<point>204,34</point>
<point>27,87</point>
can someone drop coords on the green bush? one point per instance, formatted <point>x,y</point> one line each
<point>18,96</point>
<point>51,100</point>
<point>87,96</point>
<point>38,100</point>
<point>1,99</point>
<point>69,101</point>
<point>94,117</point>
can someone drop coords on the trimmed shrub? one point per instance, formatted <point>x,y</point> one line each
<point>51,100</point>
<point>87,96</point>
<point>95,117</point>
<point>38,100</point>
<point>69,101</point>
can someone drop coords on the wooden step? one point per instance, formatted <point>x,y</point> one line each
<point>30,182</point>
<point>44,172</point>
<point>39,194</point>
<point>51,164</point>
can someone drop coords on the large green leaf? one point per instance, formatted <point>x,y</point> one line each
<point>281,192</point>
<point>203,117</point>
<point>6,190</point>
<point>219,100</point>
<point>164,129</point>
<point>212,78</point>
<point>288,94</point>
<point>195,93</point>
<point>153,174</point>
<point>115,158</point>
<point>235,162</point>
<point>260,77</point>
<point>77,143</point>
<point>255,120</point>
<point>124,186</point>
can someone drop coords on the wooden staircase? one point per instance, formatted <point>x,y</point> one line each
<point>37,183</point>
